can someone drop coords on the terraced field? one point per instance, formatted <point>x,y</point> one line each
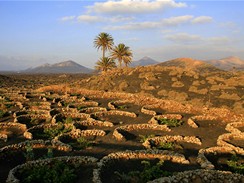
<point>116,137</point>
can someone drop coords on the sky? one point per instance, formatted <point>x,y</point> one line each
<point>33,33</point>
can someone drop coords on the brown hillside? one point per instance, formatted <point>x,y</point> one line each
<point>228,63</point>
<point>215,89</point>
<point>6,81</point>
<point>190,64</point>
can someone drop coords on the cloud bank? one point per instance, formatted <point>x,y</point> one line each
<point>134,6</point>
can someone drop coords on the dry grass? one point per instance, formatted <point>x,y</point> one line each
<point>54,88</point>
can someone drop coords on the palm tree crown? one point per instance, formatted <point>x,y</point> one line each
<point>104,41</point>
<point>105,64</point>
<point>122,53</point>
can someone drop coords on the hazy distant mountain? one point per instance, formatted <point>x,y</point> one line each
<point>191,64</point>
<point>228,63</point>
<point>143,62</point>
<point>62,67</point>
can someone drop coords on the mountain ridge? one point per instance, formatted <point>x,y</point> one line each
<point>68,66</point>
<point>228,63</point>
<point>190,64</point>
<point>144,61</point>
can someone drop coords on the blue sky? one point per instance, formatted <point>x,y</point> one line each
<point>38,32</point>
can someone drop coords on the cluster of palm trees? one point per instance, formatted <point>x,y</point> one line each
<point>121,53</point>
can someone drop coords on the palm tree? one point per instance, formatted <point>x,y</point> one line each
<point>104,41</point>
<point>122,53</point>
<point>105,64</point>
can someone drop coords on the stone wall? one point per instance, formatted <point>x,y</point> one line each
<point>148,111</point>
<point>138,154</point>
<point>169,138</point>
<point>192,123</point>
<point>36,144</point>
<point>233,127</point>
<point>92,122</point>
<point>201,176</point>
<point>115,112</point>
<point>8,126</point>
<point>225,139</point>
<point>86,133</point>
<point>154,119</point>
<point>93,109</point>
<point>117,132</point>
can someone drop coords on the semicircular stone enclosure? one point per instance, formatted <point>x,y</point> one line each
<point>93,136</point>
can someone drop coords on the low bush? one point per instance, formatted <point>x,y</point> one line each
<point>149,172</point>
<point>166,145</point>
<point>143,138</point>
<point>55,172</point>
<point>57,130</point>
<point>2,113</point>
<point>236,165</point>
<point>122,107</point>
<point>81,143</point>
<point>170,122</point>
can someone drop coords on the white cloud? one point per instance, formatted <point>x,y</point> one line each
<point>202,19</point>
<point>67,18</point>
<point>219,40</point>
<point>134,26</point>
<point>89,18</point>
<point>183,38</point>
<point>164,23</point>
<point>228,25</point>
<point>120,19</point>
<point>173,21</point>
<point>94,19</point>
<point>134,6</point>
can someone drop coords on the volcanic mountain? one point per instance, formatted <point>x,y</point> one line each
<point>143,62</point>
<point>228,63</point>
<point>190,64</point>
<point>62,67</point>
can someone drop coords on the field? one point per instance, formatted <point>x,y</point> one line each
<point>126,132</point>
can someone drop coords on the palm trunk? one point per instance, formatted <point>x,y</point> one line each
<point>120,63</point>
<point>103,52</point>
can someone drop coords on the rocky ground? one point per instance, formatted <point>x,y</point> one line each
<point>212,89</point>
<point>115,121</point>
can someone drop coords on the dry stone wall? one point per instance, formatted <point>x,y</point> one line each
<point>117,132</point>
<point>169,138</point>
<point>201,176</point>
<point>143,154</point>
<point>155,119</point>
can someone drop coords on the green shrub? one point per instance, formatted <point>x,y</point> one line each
<point>34,121</point>
<point>2,113</point>
<point>122,107</point>
<point>9,105</point>
<point>143,138</point>
<point>81,107</point>
<point>74,94</point>
<point>29,154</point>
<point>55,172</point>
<point>236,166</point>
<point>81,143</point>
<point>37,103</point>
<point>170,122</point>
<point>49,154</point>
<point>68,120</point>
<point>57,130</point>
<point>166,145</point>
<point>149,172</point>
